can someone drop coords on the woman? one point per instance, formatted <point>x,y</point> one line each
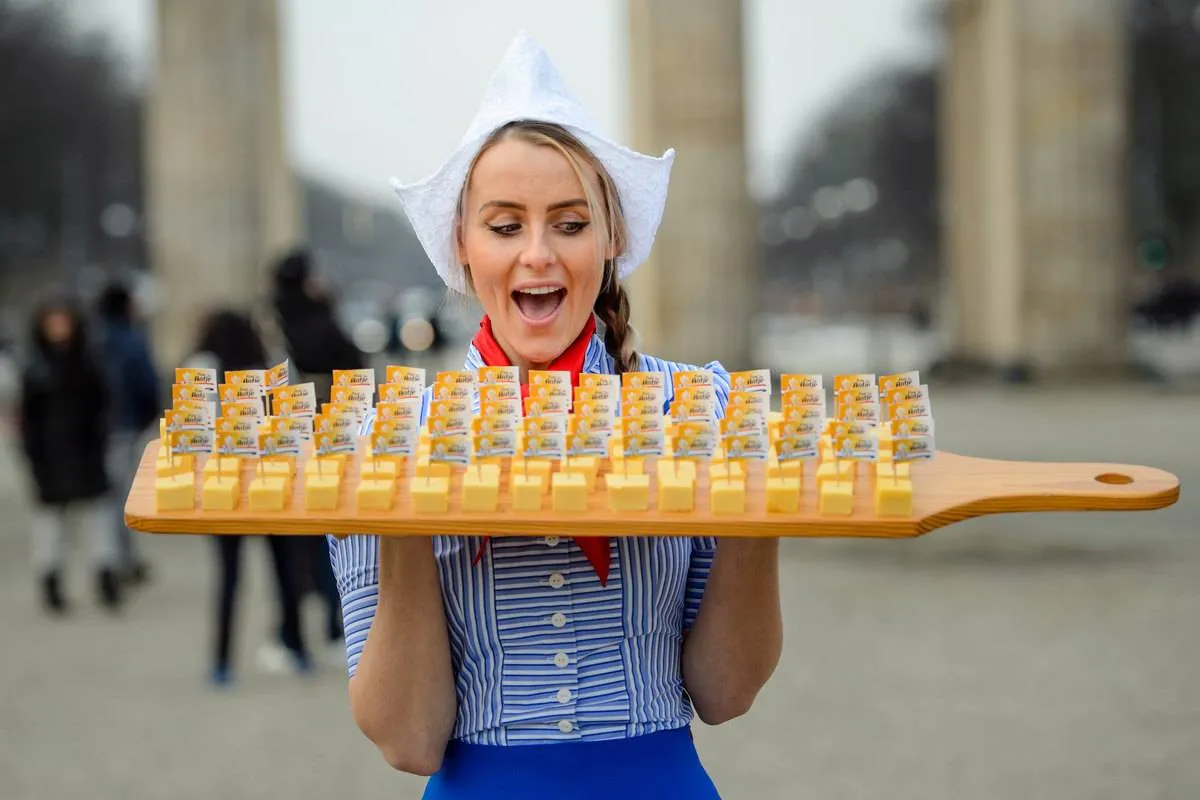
<point>548,665</point>
<point>230,339</point>
<point>64,423</point>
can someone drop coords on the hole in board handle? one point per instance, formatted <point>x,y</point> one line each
<point>1114,478</point>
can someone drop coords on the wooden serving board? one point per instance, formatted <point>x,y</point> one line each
<point>947,489</point>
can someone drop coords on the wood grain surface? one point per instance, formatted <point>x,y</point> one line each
<point>948,489</point>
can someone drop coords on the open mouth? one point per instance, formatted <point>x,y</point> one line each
<point>539,303</point>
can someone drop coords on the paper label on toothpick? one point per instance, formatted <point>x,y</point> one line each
<point>758,402</point>
<point>858,448</point>
<point>487,376</point>
<point>755,380</point>
<point>238,444</point>
<point>494,393</point>
<point>860,412</point>
<point>698,412</point>
<point>642,445</point>
<point>331,442</point>
<point>851,382</point>
<point>606,383</point>
<point>837,428</point>
<point>645,395</point>
<point>236,426</point>
<point>600,394</point>
<point>355,378</point>
<point>550,379</point>
<point>910,410</point>
<point>449,424</point>
<point>804,414</point>
<point>393,442</point>
<point>803,397</point>
<point>191,441</point>
<point>500,408</point>
<point>395,392</point>
<point>192,393</point>
<point>596,408</point>
<point>537,406</point>
<point>399,409</point>
<point>900,380</point>
<point>498,444</point>
<point>641,426</point>
<point>908,428</point>
<point>412,378</point>
<point>643,380</point>
<point>587,426</point>
<point>497,423</point>
<point>797,446</point>
<point>855,397</point>
<point>454,449</point>
<point>745,447</point>
<point>915,448</point>
<point>244,408</point>
<point>301,426</point>
<point>252,377</point>
<point>196,377</point>
<point>336,424</point>
<point>743,425</point>
<point>640,410</point>
<point>550,425</point>
<point>277,375</point>
<point>798,381</point>
<point>911,394</point>
<point>235,393</point>
<point>279,444</point>
<point>549,445</point>
<point>800,428</point>
<point>189,416</point>
<point>695,394</point>
<point>694,444</point>
<point>692,379</point>
<point>587,444</point>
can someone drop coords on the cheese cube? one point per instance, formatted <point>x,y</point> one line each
<point>378,470</point>
<point>827,471</point>
<point>783,495</point>
<point>728,496</point>
<point>885,471</point>
<point>480,490</point>
<point>220,493</point>
<point>175,492</point>
<point>534,468</point>
<point>793,469</point>
<point>676,492</point>
<point>628,492</point>
<point>375,495</point>
<point>885,454</point>
<point>225,466</point>
<point>431,469</point>
<point>569,492</point>
<point>165,469</point>
<point>527,492</point>
<point>902,470</point>
<point>431,495</point>
<point>836,498</point>
<point>727,471</point>
<point>893,498</point>
<point>628,466</point>
<point>268,493</point>
<point>587,469</point>
<point>680,467</point>
<point>321,491</point>
<point>324,465</point>
<point>276,468</point>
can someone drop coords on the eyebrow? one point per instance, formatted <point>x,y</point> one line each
<point>578,201</point>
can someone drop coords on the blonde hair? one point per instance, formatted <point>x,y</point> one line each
<point>604,209</point>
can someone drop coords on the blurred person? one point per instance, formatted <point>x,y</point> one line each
<point>534,665</point>
<point>229,339</point>
<point>64,427</point>
<point>136,397</point>
<point>316,346</point>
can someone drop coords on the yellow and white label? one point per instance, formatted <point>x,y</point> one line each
<point>915,448</point>
<point>488,376</point>
<point>643,380</point>
<point>755,380</point>
<point>413,378</point>
<point>900,380</point>
<point>454,449</point>
<point>797,381</point>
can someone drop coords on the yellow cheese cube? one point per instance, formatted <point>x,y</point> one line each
<point>375,495</point>
<point>534,467</point>
<point>175,492</point>
<point>629,466</point>
<point>431,469</point>
<point>569,492</point>
<point>321,491</point>
<point>893,498</point>
<point>793,469</point>
<point>783,495</point>
<point>836,498</point>
<point>827,471</point>
<point>728,496</point>
<point>885,455</point>
<point>225,466</point>
<point>727,471</point>
<point>585,469</point>
<point>527,492</point>
<point>628,492</point>
<point>431,495</point>
<point>902,470</point>
<point>324,465</point>
<point>378,469</point>
<point>276,468</point>
<point>676,468</point>
<point>165,469</point>
<point>162,428</point>
<point>676,492</point>
<point>480,490</point>
<point>885,471</point>
<point>220,493</point>
<point>267,493</point>
<point>584,464</point>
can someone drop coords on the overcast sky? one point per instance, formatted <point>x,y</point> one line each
<point>375,88</point>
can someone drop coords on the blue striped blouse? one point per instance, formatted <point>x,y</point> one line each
<point>541,651</point>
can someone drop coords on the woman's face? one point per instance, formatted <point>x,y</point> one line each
<point>533,250</point>
<point>58,327</point>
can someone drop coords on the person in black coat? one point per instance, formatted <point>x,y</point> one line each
<point>230,339</point>
<point>64,426</point>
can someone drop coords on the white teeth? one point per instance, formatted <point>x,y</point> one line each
<point>540,290</point>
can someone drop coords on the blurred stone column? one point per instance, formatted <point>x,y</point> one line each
<point>694,299</point>
<point>222,202</point>
<point>1035,122</point>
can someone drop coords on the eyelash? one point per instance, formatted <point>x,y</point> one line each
<point>573,228</point>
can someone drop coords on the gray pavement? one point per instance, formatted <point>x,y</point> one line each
<point>1036,656</point>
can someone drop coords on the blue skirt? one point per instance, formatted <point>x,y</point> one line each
<point>661,766</point>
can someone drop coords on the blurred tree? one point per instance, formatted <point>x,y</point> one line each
<point>71,138</point>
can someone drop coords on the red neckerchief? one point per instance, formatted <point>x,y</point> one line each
<point>595,548</point>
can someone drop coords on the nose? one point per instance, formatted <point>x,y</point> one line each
<point>537,253</point>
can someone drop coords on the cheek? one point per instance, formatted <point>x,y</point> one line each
<point>489,261</point>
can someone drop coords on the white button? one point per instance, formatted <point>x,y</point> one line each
<point>557,581</point>
<point>551,541</point>
<point>558,619</point>
<point>565,726</point>
<point>563,696</point>
<point>562,661</point>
